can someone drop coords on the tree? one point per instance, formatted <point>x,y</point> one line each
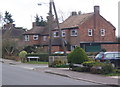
<point>9,47</point>
<point>77,56</point>
<point>8,18</point>
<point>39,21</point>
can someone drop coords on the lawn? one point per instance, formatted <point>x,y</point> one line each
<point>36,62</point>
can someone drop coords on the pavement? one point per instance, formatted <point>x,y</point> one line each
<point>94,78</point>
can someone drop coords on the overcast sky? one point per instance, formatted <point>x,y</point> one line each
<point>24,11</point>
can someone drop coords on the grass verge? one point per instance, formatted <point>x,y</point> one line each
<point>36,62</point>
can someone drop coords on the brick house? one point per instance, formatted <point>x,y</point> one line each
<point>10,31</point>
<point>91,31</point>
<point>36,36</point>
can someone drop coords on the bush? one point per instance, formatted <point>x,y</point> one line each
<point>42,56</point>
<point>81,69</point>
<point>22,55</point>
<point>57,55</point>
<point>98,67</point>
<point>29,49</point>
<point>77,56</point>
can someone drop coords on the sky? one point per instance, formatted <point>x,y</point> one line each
<point>24,11</point>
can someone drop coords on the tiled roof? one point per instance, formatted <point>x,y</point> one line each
<point>35,30</point>
<point>75,21</point>
<point>13,32</point>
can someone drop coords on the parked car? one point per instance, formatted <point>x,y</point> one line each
<point>61,52</point>
<point>112,57</point>
<point>58,52</point>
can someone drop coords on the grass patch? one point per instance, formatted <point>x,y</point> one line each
<point>113,74</point>
<point>36,62</point>
<point>116,72</point>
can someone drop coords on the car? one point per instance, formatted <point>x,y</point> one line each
<point>112,57</point>
<point>58,52</point>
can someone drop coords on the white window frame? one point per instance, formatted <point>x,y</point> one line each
<point>55,34</point>
<point>35,37</point>
<point>63,33</point>
<point>90,32</point>
<point>44,38</point>
<point>75,32</point>
<point>102,32</point>
<point>73,47</point>
<point>27,37</point>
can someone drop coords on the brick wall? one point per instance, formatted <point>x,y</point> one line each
<point>31,41</point>
<point>111,47</point>
<point>96,25</point>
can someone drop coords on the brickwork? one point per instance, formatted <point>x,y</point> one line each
<point>111,47</point>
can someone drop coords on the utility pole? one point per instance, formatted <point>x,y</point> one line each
<point>50,24</point>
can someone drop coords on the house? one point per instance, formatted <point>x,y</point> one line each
<point>12,38</point>
<point>91,31</point>
<point>9,31</point>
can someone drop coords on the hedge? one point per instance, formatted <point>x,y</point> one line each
<point>42,57</point>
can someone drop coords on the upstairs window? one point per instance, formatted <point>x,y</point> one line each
<point>26,37</point>
<point>102,32</point>
<point>35,37</point>
<point>44,38</point>
<point>74,32</point>
<point>63,33</point>
<point>90,32</point>
<point>56,34</point>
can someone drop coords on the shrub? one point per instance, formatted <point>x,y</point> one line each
<point>29,49</point>
<point>107,68</point>
<point>22,55</point>
<point>42,56</point>
<point>98,67</point>
<point>57,55</point>
<point>80,69</point>
<point>77,56</point>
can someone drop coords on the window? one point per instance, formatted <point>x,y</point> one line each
<point>26,37</point>
<point>56,34</point>
<point>44,38</point>
<point>73,47</point>
<point>102,32</point>
<point>74,32</point>
<point>63,33</point>
<point>90,32</point>
<point>35,37</point>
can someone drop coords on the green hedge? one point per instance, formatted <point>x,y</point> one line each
<point>42,57</point>
<point>57,55</point>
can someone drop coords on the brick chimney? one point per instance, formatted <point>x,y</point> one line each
<point>96,9</point>
<point>74,13</point>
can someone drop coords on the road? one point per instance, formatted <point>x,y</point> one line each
<point>14,75</point>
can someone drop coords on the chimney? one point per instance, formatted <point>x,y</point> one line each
<point>96,9</point>
<point>33,24</point>
<point>79,12</point>
<point>74,13</point>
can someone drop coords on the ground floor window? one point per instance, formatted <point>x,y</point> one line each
<point>73,47</point>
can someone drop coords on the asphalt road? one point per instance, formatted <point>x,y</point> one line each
<point>14,75</point>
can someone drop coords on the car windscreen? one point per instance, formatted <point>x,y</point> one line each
<point>99,56</point>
